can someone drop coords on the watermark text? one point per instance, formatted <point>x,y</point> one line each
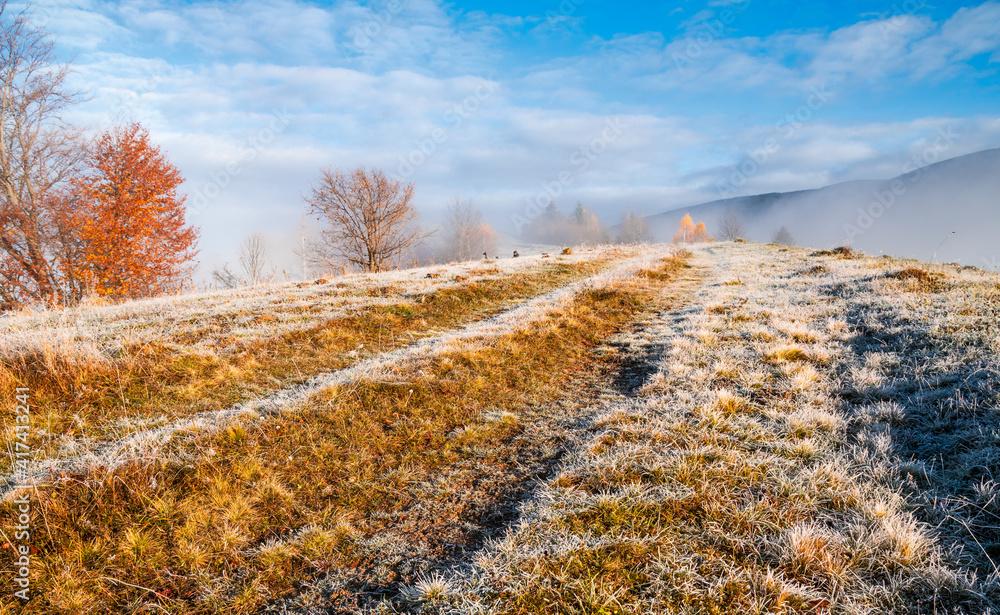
<point>21,451</point>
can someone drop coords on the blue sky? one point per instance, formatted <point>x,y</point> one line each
<point>616,104</point>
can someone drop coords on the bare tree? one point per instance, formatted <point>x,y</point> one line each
<point>467,234</point>
<point>301,250</point>
<point>783,237</point>
<point>38,153</point>
<point>369,217</point>
<point>730,228</point>
<point>253,258</point>
<point>634,229</point>
<point>226,277</point>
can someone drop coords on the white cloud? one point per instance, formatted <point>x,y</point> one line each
<point>880,51</point>
<point>208,79</point>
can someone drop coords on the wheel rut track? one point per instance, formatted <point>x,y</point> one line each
<point>148,444</point>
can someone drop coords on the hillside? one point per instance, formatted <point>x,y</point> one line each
<point>906,216</point>
<point>740,428</point>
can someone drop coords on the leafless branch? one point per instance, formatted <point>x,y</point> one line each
<point>467,234</point>
<point>226,277</point>
<point>730,228</point>
<point>253,258</point>
<point>634,229</point>
<point>38,153</point>
<point>369,218</point>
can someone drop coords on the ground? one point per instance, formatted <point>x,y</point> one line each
<point>731,428</point>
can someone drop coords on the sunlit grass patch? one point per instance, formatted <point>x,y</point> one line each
<point>813,554</point>
<point>918,280</point>
<point>608,579</point>
<point>91,393</point>
<point>804,377</point>
<point>738,479</point>
<point>800,333</point>
<point>760,489</point>
<point>233,519</point>
<point>430,591</point>
<point>761,333</point>
<point>726,368</point>
<point>787,353</point>
<point>727,402</point>
<point>808,422</point>
<point>804,449</point>
<point>613,516</point>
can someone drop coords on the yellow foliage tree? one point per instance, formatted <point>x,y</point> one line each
<point>700,234</point>
<point>689,232</point>
<point>686,230</point>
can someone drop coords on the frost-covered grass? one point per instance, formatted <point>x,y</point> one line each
<point>343,481</point>
<point>219,319</point>
<point>78,455</point>
<point>820,436</point>
<point>772,430</point>
<point>92,383</point>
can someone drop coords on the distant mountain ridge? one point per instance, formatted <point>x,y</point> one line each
<point>908,215</point>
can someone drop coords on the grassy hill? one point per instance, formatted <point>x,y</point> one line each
<point>740,428</point>
<point>907,216</point>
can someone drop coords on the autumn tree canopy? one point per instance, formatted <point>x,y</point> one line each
<point>74,217</point>
<point>689,232</point>
<point>134,236</point>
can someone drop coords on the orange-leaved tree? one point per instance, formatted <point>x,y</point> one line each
<point>700,234</point>
<point>135,239</point>
<point>686,230</point>
<point>689,232</point>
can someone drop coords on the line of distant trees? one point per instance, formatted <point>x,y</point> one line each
<point>99,216</point>
<point>582,226</point>
<point>103,216</point>
<point>731,229</point>
<point>368,224</point>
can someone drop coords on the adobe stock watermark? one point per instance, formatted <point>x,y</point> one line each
<point>579,162</point>
<point>41,13</point>
<point>785,129</point>
<point>454,117</point>
<point>248,151</point>
<point>21,452</point>
<point>992,263</point>
<point>707,34</point>
<point>565,10</point>
<point>363,35</point>
<point>893,19</point>
<point>127,100</point>
<point>884,200</point>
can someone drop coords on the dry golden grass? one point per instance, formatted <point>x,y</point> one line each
<point>251,513</point>
<point>915,279</point>
<point>787,353</point>
<point>758,467</point>
<point>730,403</point>
<point>739,483</point>
<point>82,393</point>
